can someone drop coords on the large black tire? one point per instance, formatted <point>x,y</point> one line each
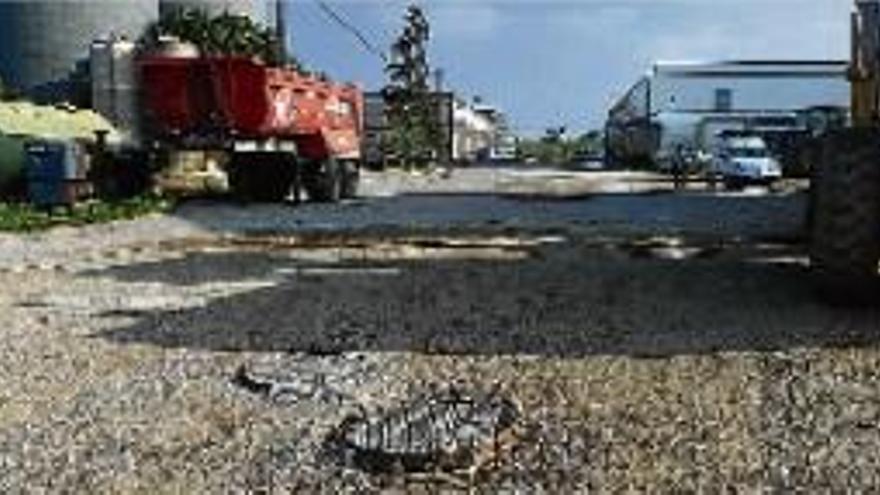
<point>845,236</point>
<point>810,160</point>
<point>351,177</point>
<point>733,184</point>
<point>261,177</point>
<point>239,180</point>
<point>323,181</point>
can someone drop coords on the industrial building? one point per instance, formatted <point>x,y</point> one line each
<point>44,44</point>
<point>687,104</point>
<point>376,126</point>
<point>481,133</point>
<point>472,132</point>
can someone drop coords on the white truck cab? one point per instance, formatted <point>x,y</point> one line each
<point>741,160</point>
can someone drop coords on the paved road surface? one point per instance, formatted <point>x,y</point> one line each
<point>651,341</point>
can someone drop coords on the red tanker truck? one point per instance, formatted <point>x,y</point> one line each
<point>282,131</point>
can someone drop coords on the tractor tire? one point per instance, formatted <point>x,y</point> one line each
<point>351,177</point>
<point>323,181</point>
<point>275,178</point>
<point>845,236</point>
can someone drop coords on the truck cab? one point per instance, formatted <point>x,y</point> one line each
<point>741,160</point>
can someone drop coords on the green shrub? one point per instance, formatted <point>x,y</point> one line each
<point>20,217</point>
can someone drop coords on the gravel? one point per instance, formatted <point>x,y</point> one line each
<point>652,341</point>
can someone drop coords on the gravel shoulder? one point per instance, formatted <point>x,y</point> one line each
<point>652,341</point>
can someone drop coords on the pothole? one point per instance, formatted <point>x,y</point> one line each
<point>448,431</point>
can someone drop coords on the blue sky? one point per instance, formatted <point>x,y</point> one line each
<point>555,62</point>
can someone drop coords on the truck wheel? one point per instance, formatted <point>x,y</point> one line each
<point>323,181</point>
<point>845,236</point>
<point>275,178</point>
<point>732,184</point>
<point>351,176</point>
<point>239,180</point>
<point>264,177</point>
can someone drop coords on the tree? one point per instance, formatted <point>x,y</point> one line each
<point>412,113</point>
<point>8,93</point>
<point>225,34</point>
<point>591,143</point>
<point>554,147</point>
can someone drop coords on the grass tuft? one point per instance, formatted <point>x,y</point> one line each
<point>18,217</point>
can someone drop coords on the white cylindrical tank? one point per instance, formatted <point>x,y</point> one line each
<point>115,92</point>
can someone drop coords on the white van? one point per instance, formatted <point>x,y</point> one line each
<point>742,160</point>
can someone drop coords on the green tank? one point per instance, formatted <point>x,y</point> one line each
<point>12,164</point>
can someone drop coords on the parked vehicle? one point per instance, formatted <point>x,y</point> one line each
<point>281,131</point>
<point>681,160</point>
<point>588,161</point>
<point>741,160</point>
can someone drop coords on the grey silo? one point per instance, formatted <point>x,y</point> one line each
<point>44,42</point>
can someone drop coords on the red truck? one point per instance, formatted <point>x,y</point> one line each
<point>281,130</point>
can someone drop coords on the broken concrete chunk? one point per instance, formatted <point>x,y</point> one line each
<point>449,431</point>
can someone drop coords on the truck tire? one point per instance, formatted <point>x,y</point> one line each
<point>845,236</point>
<point>261,177</point>
<point>733,183</point>
<point>323,181</point>
<point>239,180</point>
<point>275,177</point>
<point>351,177</point>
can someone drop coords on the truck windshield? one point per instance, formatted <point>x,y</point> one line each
<point>748,152</point>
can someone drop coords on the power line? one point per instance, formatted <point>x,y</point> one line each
<point>336,17</point>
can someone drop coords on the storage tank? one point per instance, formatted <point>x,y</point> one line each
<point>44,44</point>
<point>115,93</point>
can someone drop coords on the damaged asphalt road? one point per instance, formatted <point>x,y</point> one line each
<point>646,340</point>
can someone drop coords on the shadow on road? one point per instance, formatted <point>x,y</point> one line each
<point>569,300</point>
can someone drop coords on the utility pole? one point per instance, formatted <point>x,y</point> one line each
<point>439,77</point>
<point>281,29</point>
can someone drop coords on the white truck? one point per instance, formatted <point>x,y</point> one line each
<point>741,160</point>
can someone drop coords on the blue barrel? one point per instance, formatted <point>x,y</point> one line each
<point>52,166</point>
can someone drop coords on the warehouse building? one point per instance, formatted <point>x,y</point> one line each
<point>687,104</point>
